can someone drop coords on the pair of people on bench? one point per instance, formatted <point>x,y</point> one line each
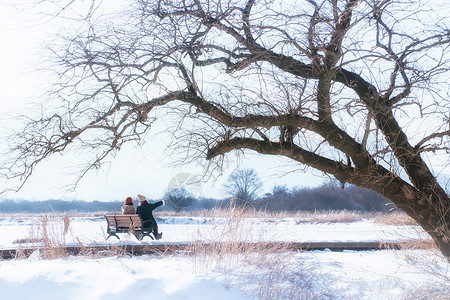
<point>145,212</point>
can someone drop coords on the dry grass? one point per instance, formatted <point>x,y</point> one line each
<point>51,232</point>
<point>430,262</point>
<point>338,216</point>
<point>47,237</point>
<point>394,218</point>
<point>343,216</point>
<point>48,232</point>
<point>267,271</point>
<point>330,216</point>
<point>430,293</point>
<point>301,216</point>
<point>436,266</point>
<point>263,270</point>
<point>227,238</point>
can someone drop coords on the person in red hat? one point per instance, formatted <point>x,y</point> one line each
<point>128,207</point>
<point>145,212</point>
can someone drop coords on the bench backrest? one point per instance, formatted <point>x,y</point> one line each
<point>123,221</point>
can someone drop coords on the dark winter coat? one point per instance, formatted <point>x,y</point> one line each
<point>145,212</point>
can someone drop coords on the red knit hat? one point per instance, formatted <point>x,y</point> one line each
<point>129,200</point>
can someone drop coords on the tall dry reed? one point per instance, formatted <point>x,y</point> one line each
<point>50,232</point>
<point>264,270</point>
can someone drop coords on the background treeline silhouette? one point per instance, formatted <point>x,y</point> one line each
<point>320,198</point>
<point>324,197</point>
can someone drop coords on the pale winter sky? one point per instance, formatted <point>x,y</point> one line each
<point>147,171</point>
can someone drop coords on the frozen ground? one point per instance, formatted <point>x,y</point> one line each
<point>186,229</point>
<point>406,274</point>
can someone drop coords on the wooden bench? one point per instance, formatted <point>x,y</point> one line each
<point>126,224</point>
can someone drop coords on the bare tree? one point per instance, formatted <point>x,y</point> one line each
<point>358,89</point>
<point>243,186</point>
<point>179,198</point>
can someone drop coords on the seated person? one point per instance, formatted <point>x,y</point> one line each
<point>128,207</point>
<point>145,212</point>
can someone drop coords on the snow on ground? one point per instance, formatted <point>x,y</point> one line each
<point>93,230</point>
<point>108,278</point>
<point>406,274</point>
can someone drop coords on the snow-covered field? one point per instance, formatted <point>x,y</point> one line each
<point>387,274</point>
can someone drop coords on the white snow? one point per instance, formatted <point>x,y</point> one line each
<point>108,278</point>
<point>387,274</point>
<point>93,230</point>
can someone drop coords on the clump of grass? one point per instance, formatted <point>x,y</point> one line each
<point>437,268</point>
<point>441,292</point>
<point>394,218</point>
<point>339,216</point>
<point>66,223</point>
<point>233,234</point>
<point>264,270</point>
<point>50,233</point>
<point>224,239</point>
<point>282,276</point>
<point>92,252</point>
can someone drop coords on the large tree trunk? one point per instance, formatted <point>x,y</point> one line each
<point>434,221</point>
<point>425,201</point>
<point>428,210</point>
<point>429,207</point>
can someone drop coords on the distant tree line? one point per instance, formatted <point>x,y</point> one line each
<point>244,184</point>
<point>53,205</point>
<point>325,197</point>
<point>243,188</point>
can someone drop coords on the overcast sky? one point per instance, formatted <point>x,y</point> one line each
<point>147,171</point>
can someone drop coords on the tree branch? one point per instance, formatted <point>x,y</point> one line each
<point>430,137</point>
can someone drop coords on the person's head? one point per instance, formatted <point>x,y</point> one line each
<point>141,198</point>
<point>129,201</point>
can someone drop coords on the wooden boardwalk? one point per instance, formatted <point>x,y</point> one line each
<point>189,248</point>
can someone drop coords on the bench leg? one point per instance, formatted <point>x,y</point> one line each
<point>113,234</point>
<point>145,233</point>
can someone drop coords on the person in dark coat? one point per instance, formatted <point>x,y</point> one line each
<point>145,212</point>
